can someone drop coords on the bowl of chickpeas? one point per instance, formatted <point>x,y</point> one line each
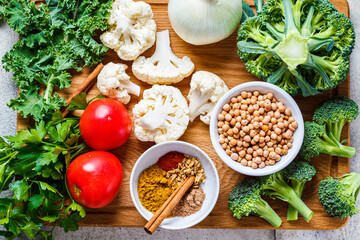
<point>257,128</point>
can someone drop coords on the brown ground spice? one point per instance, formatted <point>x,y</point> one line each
<point>190,203</point>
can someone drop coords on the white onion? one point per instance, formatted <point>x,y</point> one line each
<point>202,22</point>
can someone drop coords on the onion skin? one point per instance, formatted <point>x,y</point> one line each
<point>201,22</point>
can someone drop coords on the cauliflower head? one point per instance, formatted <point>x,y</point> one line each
<point>164,67</point>
<point>206,89</point>
<point>162,115</point>
<point>132,29</point>
<point>113,82</point>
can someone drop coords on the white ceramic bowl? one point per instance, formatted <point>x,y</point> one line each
<point>280,95</point>
<point>211,186</point>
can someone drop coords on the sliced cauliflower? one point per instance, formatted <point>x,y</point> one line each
<point>206,89</point>
<point>164,67</point>
<point>132,29</point>
<point>162,115</point>
<point>113,82</point>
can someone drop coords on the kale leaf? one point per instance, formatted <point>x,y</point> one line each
<point>55,37</point>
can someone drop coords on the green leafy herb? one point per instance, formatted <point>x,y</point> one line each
<point>55,37</point>
<point>79,102</point>
<point>40,156</point>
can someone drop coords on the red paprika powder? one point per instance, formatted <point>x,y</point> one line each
<point>170,160</point>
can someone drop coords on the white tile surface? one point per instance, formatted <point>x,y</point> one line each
<point>350,231</point>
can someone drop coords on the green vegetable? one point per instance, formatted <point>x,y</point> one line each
<point>298,173</point>
<point>338,197</point>
<point>323,135</point>
<point>55,37</point>
<point>40,156</point>
<point>202,22</point>
<point>303,46</point>
<point>245,199</point>
<point>275,186</point>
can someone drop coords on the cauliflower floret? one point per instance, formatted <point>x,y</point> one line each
<point>206,89</point>
<point>164,67</point>
<point>113,82</point>
<point>132,29</point>
<point>162,115</point>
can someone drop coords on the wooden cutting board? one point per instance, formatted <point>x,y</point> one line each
<point>221,59</point>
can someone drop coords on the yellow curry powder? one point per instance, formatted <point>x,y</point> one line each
<point>153,188</point>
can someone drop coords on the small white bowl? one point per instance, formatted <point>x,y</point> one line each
<point>211,186</point>
<point>280,95</point>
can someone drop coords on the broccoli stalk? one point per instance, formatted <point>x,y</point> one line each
<point>298,173</point>
<point>245,199</point>
<point>275,186</point>
<point>338,197</point>
<point>323,135</point>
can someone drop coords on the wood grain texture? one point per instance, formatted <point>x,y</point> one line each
<point>221,59</point>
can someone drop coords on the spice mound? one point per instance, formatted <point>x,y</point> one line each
<point>158,182</point>
<point>190,203</point>
<point>256,129</point>
<point>153,188</point>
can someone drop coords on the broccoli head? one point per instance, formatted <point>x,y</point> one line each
<point>298,173</point>
<point>275,186</point>
<point>303,46</point>
<point>245,200</point>
<point>335,113</point>
<point>338,197</point>
<point>323,135</point>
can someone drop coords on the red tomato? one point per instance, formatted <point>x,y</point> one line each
<point>94,178</point>
<point>105,124</point>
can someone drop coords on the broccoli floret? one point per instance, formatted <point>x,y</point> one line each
<point>323,135</point>
<point>245,200</point>
<point>335,66</point>
<point>275,186</point>
<point>338,197</point>
<point>317,141</point>
<point>298,173</point>
<point>308,39</point>
<point>335,113</point>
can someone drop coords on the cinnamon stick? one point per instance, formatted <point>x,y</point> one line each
<point>169,205</point>
<point>85,86</point>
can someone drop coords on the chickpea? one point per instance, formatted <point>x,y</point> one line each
<point>226,107</point>
<point>221,117</point>
<point>273,120</point>
<point>242,134</point>
<point>291,120</point>
<point>220,124</point>
<point>230,132</point>
<point>262,165</point>
<point>248,157</point>
<point>254,165</point>
<point>233,142</point>
<point>225,127</point>
<point>249,163</point>
<point>244,122</point>
<point>246,129</point>
<point>289,145</point>
<point>247,138</point>
<point>227,140</point>
<point>244,162</point>
<point>257,160</point>
<point>282,108</point>
<point>256,138</point>
<point>270,95</point>
<point>239,98</point>
<point>272,155</point>
<point>284,152</point>
<point>220,131</point>
<point>288,112</point>
<point>251,109</point>
<point>271,162</point>
<point>251,126</point>
<point>234,100</point>
<point>234,156</point>
<point>274,107</point>
<point>273,136</point>
<point>228,152</point>
<point>278,158</point>
<point>252,133</point>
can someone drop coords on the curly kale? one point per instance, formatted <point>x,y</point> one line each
<point>55,37</point>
